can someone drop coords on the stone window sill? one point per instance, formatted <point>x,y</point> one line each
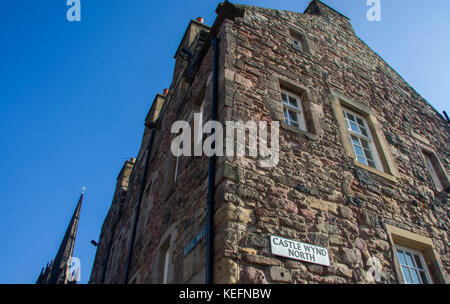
<point>306,134</point>
<point>384,175</point>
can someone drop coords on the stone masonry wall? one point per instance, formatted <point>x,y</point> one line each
<point>306,196</point>
<point>316,194</point>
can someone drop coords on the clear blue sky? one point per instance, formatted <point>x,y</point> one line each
<point>73,98</point>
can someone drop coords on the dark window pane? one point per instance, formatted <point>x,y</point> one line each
<point>293,101</point>
<point>365,144</point>
<point>364,132</point>
<point>292,116</point>
<point>418,261</point>
<point>360,122</point>
<point>355,141</point>
<point>368,154</point>
<point>423,277</point>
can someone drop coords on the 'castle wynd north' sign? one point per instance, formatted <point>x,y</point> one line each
<point>299,251</point>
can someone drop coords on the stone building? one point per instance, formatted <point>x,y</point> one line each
<point>362,172</point>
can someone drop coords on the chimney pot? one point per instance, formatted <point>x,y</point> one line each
<point>132,160</point>
<point>165,92</point>
<point>200,19</point>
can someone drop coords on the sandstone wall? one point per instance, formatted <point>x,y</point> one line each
<point>316,194</point>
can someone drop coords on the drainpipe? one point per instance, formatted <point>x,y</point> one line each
<point>211,173</point>
<point>152,126</point>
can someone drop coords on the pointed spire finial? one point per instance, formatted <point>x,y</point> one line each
<point>59,267</point>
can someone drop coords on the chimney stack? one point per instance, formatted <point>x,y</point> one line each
<point>200,19</point>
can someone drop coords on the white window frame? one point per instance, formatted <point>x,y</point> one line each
<point>296,110</point>
<point>414,267</point>
<point>433,172</point>
<point>360,136</point>
<point>166,266</point>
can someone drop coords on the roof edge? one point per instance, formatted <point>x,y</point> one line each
<point>318,1</point>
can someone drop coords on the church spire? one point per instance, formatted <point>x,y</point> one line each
<point>58,270</point>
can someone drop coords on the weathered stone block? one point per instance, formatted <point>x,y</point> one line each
<point>231,213</point>
<point>252,275</point>
<point>323,205</point>
<point>351,257</point>
<point>255,240</point>
<point>226,271</point>
<point>279,274</point>
<point>261,260</point>
<point>336,240</point>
